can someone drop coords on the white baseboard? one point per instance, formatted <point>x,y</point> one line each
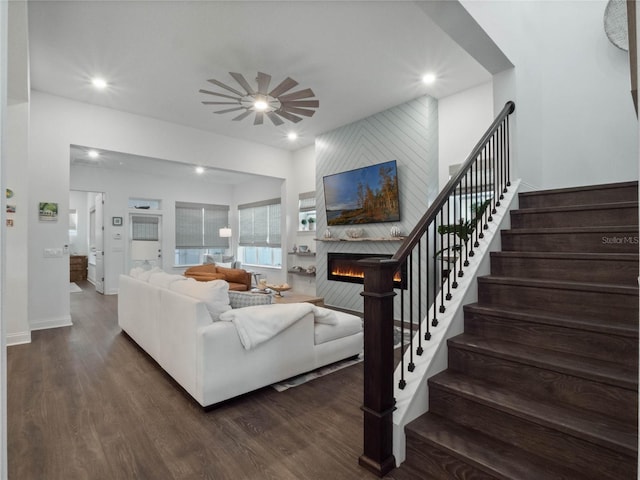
<point>51,323</point>
<point>18,338</point>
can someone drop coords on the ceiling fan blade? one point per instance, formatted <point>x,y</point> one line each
<point>274,118</point>
<point>263,82</point>
<point>226,87</point>
<point>286,85</point>
<point>259,118</point>
<point>288,116</point>
<point>230,110</point>
<point>221,103</point>
<point>218,94</point>
<point>300,111</point>
<point>242,115</point>
<point>243,83</point>
<point>306,93</point>
<point>301,103</point>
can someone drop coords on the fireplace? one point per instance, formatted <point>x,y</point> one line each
<point>344,267</point>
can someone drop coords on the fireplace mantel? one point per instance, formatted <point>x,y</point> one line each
<point>362,239</point>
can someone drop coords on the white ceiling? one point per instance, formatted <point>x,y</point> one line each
<point>359,57</point>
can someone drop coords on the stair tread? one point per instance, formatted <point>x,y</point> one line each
<point>600,186</point>
<point>563,284</point>
<point>552,230</point>
<point>623,376</point>
<point>631,257</point>
<point>548,318</point>
<point>590,426</point>
<point>485,453</point>
<point>575,208</point>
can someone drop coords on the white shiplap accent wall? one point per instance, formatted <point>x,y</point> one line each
<point>407,133</point>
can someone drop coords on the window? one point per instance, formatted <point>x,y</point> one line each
<point>306,211</point>
<point>197,231</point>
<point>260,233</point>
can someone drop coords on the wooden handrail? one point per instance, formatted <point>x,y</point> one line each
<point>414,237</point>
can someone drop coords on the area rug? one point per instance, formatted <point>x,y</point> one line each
<point>73,288</point>
<point>334,367</point>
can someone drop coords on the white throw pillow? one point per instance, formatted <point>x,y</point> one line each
<point>136,271</point>
<point>224,264</point>
<point>215,294</point>
<point>144,276</point>
<point>163,279</point>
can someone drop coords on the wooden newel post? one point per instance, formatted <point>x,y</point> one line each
<point>378,403</point>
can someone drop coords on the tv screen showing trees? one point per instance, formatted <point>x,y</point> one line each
<point>364,195</point>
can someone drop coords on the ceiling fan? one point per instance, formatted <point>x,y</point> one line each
<point>275,104</point>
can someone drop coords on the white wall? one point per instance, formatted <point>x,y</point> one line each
<point>574,118</point>
<point>462,120</point>
<point>3,256</point>
<point>103,128</point>
<point>78,243</point>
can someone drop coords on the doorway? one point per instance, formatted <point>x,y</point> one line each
<point>86,235</point>
<point>145,247</point>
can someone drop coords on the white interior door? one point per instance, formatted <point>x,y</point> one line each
<point>145,247</point>
<point>99,242</point>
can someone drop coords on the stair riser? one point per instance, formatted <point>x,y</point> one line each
<point>538,439</point>
<point>620,272</point>
<point>582,242</point>
<point>627,193</point>
<point>430,462</point>
<point>612,308</point>
<point>575,218</point>
<point>552,385</point>
<point>610,348</point>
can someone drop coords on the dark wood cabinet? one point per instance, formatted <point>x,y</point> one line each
<point>77,268</point>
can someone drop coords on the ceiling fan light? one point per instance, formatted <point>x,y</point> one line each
<point>260,105</point>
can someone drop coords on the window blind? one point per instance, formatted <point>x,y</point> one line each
<point>260,224</point>
<point>198,225</point>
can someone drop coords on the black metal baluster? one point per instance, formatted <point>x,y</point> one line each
<point>467,253</point>
<point>402,383</point>
<point>427,334</point>
<point>412,365</point>
<point>420,350</point>
<point>454,252</point>
<point>436,280</point>
<point>442,289</point>
<point>448,296</point>
<point>508,152</point>
<point>485,213</point>
<point>474,196</point>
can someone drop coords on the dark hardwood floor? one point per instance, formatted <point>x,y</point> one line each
<point>85,403</point>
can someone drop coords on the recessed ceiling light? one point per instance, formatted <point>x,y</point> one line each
<point>292,136</point>
<point>199,170</point>
<point>93,154</point>
<point>429,78</point>
<point>99,83</point>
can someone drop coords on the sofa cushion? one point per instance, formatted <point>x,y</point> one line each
<point>144,276</point>
<point>205,276</point>
<point>214,294</point>
<point>245,299</point>
<point>163,279</point>
<point>346,325</point>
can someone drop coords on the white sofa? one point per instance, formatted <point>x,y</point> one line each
<point>205,355</point>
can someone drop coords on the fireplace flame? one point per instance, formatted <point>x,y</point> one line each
<point>342,271</point>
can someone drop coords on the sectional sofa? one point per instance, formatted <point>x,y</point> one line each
<point>191,330</point>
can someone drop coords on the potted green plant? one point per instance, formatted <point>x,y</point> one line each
<point>464,228</point>
<point>312,223</point>
<point>304,223</point>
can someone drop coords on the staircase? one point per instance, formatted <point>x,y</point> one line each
<point>543,382</point>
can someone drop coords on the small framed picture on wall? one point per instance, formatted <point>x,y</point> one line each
<point>116,221</point>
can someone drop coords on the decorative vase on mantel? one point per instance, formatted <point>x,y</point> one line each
<point>327,233</point>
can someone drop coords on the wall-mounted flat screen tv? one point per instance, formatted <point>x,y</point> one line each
<point>364,195</point>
